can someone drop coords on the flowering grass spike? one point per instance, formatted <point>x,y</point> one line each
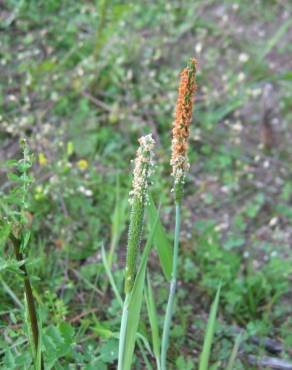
<point>180,164</point>
<point>180,132</point>
<point>138,198</point>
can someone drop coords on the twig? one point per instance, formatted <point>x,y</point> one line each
<point>270,345</point>
<point>97,102</point>
<point>270,362</point>
<point>78,317</point>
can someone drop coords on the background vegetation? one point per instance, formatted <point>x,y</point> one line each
<point>82,81</point>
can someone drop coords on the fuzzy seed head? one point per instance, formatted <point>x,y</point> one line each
<point>181,125</point>
<point>138,198</point>
<point>142,169</point>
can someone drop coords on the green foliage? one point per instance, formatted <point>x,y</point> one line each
<point>15,203</point>
<point>245,293</point>
<point>209,333</point>
<point>81,81</point>
<point>132,308</point>
<point>58,342</point>
<point>231,362</point>
<point>153,318</point>
<point>118,221</point>
<point>161,241</point>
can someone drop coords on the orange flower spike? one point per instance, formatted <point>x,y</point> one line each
<point>180,132</point>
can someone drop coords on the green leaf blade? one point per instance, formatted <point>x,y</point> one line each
<point>152,313</point>
<point>204,358</point>
<point>133,304</point>
<point>160,240</point>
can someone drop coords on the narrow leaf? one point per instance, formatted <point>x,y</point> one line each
<point>118,221</point>
<point>152,313</point>
<point>135,303</point>
<point>234,352</point>
<point>281,31</point>
<point>110,276</point>
<point>204,358</point>
<point>161,241</point>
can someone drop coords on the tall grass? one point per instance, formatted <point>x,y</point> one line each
<point>135,279</point>
<point>180,165</point>
<point>136,286</point>
<point>134,282</point>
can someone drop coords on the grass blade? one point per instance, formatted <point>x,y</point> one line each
<point>123,329</point>
<point>152,313</point>
<point>118,222</point>
<point>10,292</point>
<point>204,358</point>
<point>160,240</point>
<point>147,363</point>
<point>110,276</point>
<point>145,342</point>
<point>234,352</point>
<point>276,38</point>
<point>133,305</point>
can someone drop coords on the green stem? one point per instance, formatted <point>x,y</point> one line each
<point>123,332</point>
<point>29,296</point>
<point>170,303</point>
<point>158,363</point>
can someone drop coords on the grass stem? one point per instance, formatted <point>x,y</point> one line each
<point>172,289</point>
<point>29,296</point>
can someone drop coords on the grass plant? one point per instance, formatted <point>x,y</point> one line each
<point>133,282</point>
<point>180,165</point>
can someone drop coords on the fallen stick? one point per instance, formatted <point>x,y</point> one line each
<point>269,362</point>
<point>271,345</point>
